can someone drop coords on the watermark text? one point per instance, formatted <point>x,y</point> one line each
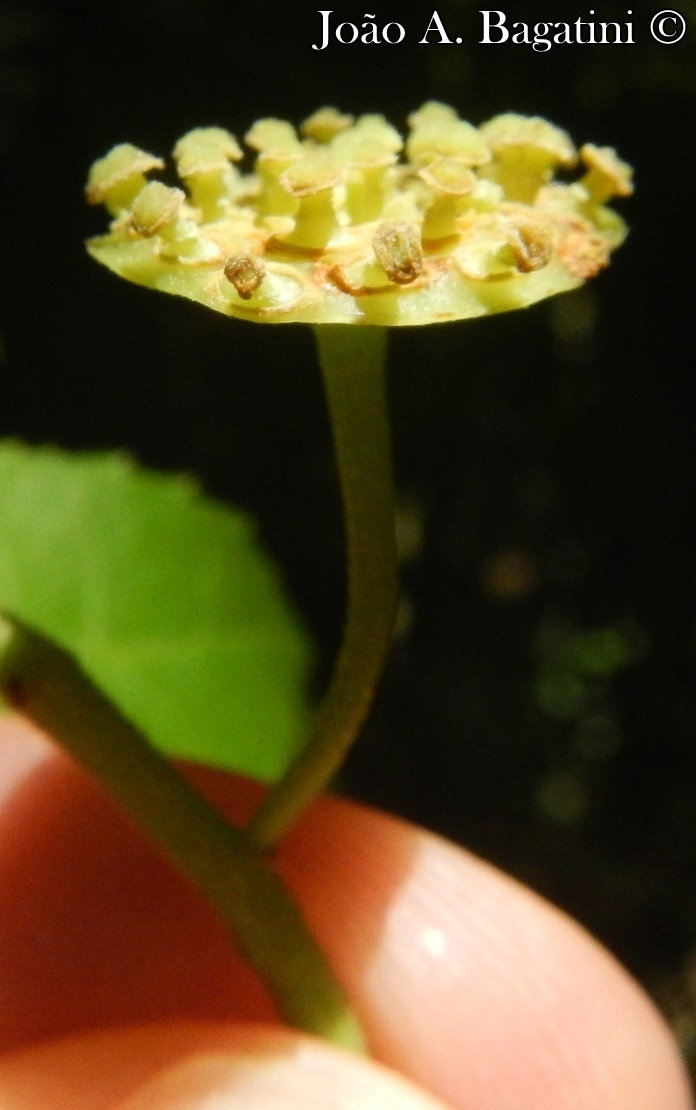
<point>494,27</point>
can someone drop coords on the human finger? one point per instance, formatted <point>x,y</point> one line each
<point>466,982</point>
<point>199,1066</point>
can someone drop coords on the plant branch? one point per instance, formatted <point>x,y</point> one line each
<point>352,360</point>
<point>47,685</point>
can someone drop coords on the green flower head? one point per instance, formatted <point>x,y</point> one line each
<point>347,223</point>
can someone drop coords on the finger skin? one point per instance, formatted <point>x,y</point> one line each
<point>467,983</point>
<point>273,1068</point>
<point>184,1065</point>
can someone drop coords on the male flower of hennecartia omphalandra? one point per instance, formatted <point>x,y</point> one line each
<point>346,222</point>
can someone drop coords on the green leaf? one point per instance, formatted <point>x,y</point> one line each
<point>165,597</point>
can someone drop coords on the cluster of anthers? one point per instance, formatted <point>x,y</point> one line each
<point>347,223</point>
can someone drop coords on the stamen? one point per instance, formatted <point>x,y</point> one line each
<point>245,272</point>
<point>399,252</point>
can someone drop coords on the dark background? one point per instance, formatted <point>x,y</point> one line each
<point>540,706</point>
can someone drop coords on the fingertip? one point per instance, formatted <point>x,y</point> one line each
<point>478,989</point>
<point>199,1066</point>
<point>267,1069</point>
<point>466,982</point>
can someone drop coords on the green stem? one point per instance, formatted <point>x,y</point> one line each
<point>47,685</point>
<point>353,365</point>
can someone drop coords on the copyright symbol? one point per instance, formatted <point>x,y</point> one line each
<point>668,27</point>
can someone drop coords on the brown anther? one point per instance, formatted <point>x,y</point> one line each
<point>399,251</point>
<point>531,241</point>
<point>584,253</point>
<point>245,272</point>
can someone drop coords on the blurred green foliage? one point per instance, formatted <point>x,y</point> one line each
<point>571,662</point>
<point>164,597</point>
